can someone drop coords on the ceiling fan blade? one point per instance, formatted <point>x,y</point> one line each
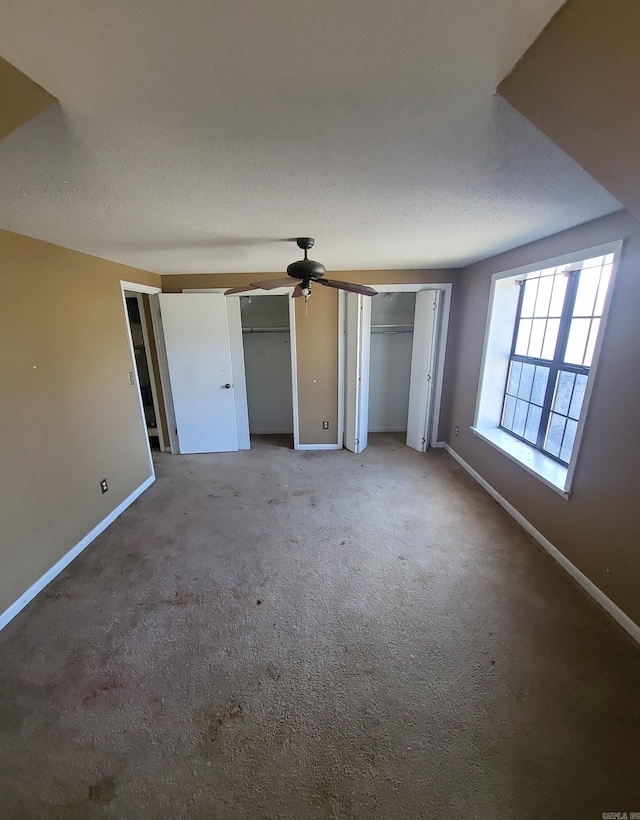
<point>270,284</point>
<point>297,292</point>
<point>362,289</point>
<point>243,289</point>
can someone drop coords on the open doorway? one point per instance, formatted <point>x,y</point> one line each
<point>391,344</point>
<point>139,326</point>
<point>266,339</point>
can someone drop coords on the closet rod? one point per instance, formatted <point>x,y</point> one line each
<point>392,328</point>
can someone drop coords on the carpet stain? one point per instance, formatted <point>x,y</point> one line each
<point>103,790</point>
<point>212,724</point>
<point>273,671</point>
<point>184,599</point>
<point>57,596</point>
<point>106,686</point>
<point>326,796</point>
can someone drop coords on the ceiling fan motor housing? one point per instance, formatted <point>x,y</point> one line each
<point>306,269</point>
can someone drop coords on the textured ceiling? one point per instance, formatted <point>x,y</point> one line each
<point>190,134</point>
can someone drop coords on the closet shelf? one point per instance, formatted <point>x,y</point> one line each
<point>265,330</point>
<point>392,328</point>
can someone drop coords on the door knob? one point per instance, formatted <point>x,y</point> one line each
<point>227,386</point>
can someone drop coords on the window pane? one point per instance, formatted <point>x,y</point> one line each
<point>537,336</point>
<point>564,390</point>
<point>539,385</point>
<point>550,339</point>
<point>602,290</point>
<point>524,331</point>
<point>587,289</point>
<point>509,410</point>
<point>533,423</point>
<point>526,381</point>
<point>577,341</point>
<point>529,298</point>
<point>544,296</point>
<point>569,438</point>
<point>594,262</point>
<point>578,396</point>
<point>520,417</point>
<point>591,344</point>
<point>514,378</point>
<point>557,297</point>
<point>554,434</point>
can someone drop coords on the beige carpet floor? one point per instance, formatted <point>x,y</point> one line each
<point>273,634</point>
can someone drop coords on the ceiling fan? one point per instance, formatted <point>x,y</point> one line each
<point>306,272</point>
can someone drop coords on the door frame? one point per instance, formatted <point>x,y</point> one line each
<point>136,288</point>
<point>441,336</point>
<point>292,342</point>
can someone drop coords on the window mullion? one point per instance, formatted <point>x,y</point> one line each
<point>558,358</point>
<point>567,315</point>
<point>546,407</point>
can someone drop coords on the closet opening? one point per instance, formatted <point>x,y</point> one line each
<point>266,341</point>
<point>391,344</point>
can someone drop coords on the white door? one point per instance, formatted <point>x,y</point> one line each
<point>422,370</point>
<point>196,336</point>
<point>357,346</point>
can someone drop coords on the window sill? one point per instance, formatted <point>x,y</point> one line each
<point>547,470</point>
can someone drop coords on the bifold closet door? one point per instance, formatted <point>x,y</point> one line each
<point>357,347</point>
<point>422,370</point>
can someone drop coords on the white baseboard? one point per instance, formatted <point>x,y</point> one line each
<point>318,447</point>
<point>10,613</point>
<point>597,594</point>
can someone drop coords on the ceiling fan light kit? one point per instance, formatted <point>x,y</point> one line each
<point>306,271</point>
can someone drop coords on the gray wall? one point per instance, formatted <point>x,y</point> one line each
<point>598,528</point>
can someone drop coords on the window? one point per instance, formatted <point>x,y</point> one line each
<point>556,328</point>
<point>540,355</point>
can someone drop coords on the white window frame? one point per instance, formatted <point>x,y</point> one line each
<point>501,317</point>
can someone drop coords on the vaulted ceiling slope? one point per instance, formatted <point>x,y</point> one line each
<point>579,83</point>
<point>189,135</point>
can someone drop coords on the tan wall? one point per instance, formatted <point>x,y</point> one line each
<point>20,98</point>
<point>316,337</point>
<point>579,82</point>
<point>68,416</point>
<point>598,528</point>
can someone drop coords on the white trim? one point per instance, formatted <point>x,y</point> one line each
<point>564,259</point>
<point>319,447</point>
<point>341,367</point>
<point>501,315</point>
<point>16,607</point>
<point>596,593</point>
<point>545,469</point>
<point>136,286</point>
<point>293,339</point>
